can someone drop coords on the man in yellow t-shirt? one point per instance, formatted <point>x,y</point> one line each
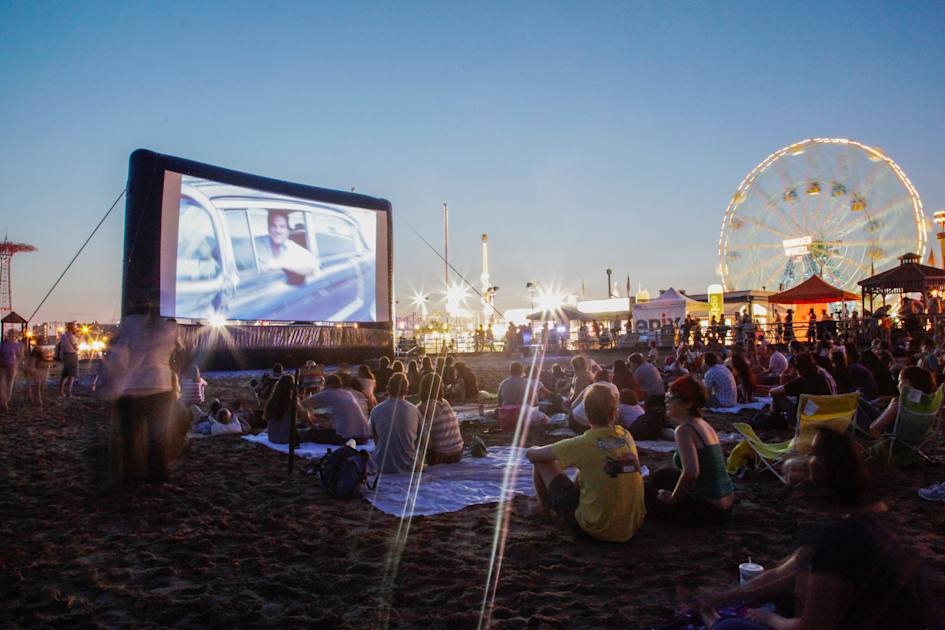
<point>606,501</point>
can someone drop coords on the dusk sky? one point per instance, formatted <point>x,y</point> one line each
<point>580,136</point>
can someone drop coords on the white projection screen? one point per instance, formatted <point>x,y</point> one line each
<point>240,253</point>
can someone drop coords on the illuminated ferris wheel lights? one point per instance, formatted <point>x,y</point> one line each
<point>847,234</point>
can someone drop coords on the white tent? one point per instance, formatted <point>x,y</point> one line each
<point>671,305</point>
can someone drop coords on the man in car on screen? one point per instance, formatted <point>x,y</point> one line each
<point>278,251</point>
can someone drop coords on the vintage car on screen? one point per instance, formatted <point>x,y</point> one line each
<point>222,267</point>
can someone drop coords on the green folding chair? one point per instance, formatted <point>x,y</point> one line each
<point>916,423</point>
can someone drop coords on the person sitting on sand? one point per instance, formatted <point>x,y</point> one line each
<point>368,383</point>
<point>649,379</point>
<point>517,390</point>
<point>350,383</point>
<point>471,385</point>
<point>582,377</point>
<point>696,490</point>
<point>193,389</point>
<point>395,424</point>
<point>311,378</point>
<point>457,392</point>
<point>606,500</point>
<point>445,445</point>
<point>263,387</point>
<point>382,374</point>
<point>850,573</point>
<point>278,410</point>
<point>720,382</point>
<point>347,416</point>
<point>577,419</point>
<point>629,408</point>
<point>784,409</point>
<point>413,377</point>
<point>623,378</point>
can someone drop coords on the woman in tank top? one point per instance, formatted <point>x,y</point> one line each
<point>696,490</point>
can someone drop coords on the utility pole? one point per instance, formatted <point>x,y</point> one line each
<point>446,246</point>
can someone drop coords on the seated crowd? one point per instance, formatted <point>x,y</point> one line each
<point>849,573</point>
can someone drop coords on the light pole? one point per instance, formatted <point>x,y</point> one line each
<point>610,286</point>
<point>446,246</point>
<point>939,219</point>
<point>531,287</point>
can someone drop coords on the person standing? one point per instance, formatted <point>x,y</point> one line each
<point>69,355</point>
<point>145,438</point>
<point>11,351</point>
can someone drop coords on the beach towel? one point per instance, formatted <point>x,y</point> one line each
<point>452,487</point>
<point>444,487</point>
<point>305,450</point>
<point>759,403</point>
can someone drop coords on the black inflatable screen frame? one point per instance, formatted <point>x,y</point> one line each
<point>142,249</point>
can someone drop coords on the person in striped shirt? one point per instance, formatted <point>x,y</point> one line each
<point>193,390</point>
<point>445,445</point>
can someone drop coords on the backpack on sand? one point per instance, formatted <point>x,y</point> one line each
<point>343,471</point>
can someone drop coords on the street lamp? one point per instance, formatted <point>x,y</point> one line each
<point>531,287</point>
<point>610,286</point>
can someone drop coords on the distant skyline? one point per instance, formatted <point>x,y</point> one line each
<point>579,137</point>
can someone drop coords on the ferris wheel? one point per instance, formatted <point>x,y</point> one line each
<point>827,206</point>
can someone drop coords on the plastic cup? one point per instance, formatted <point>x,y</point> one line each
<point>748,571</point>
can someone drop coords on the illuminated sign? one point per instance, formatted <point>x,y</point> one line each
<point>796,246</point>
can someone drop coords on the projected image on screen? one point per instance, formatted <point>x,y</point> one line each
<point>249,255</point>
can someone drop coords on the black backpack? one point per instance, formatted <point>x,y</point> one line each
<point>343,471</point>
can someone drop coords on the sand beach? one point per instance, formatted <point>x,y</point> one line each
<point>234,540</point>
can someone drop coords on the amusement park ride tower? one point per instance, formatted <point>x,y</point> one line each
<point>939,218</point>
<point>7,250</point>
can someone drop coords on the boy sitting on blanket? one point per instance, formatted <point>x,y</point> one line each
<point>606,500</point>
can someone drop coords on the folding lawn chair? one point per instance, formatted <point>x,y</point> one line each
<point>813,412</point>
<point>916,423</point>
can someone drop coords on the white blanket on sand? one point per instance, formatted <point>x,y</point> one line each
<point>442,488</point>
<point>758,404</point>
<point>451,487</point>
<point>305,450</point>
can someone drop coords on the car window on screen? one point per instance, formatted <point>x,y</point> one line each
<point>298,232</point>
<point>240,238</point>
<point>198,251</point>
<point>334,237</point>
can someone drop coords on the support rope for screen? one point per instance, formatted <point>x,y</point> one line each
<point>461,276</point>
<point>64,271</point>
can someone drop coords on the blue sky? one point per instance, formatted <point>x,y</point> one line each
<point>580,136</point>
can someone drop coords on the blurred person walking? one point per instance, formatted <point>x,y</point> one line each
<point>11,351</point>
<point>69,355</point>
<point>145,438</point>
